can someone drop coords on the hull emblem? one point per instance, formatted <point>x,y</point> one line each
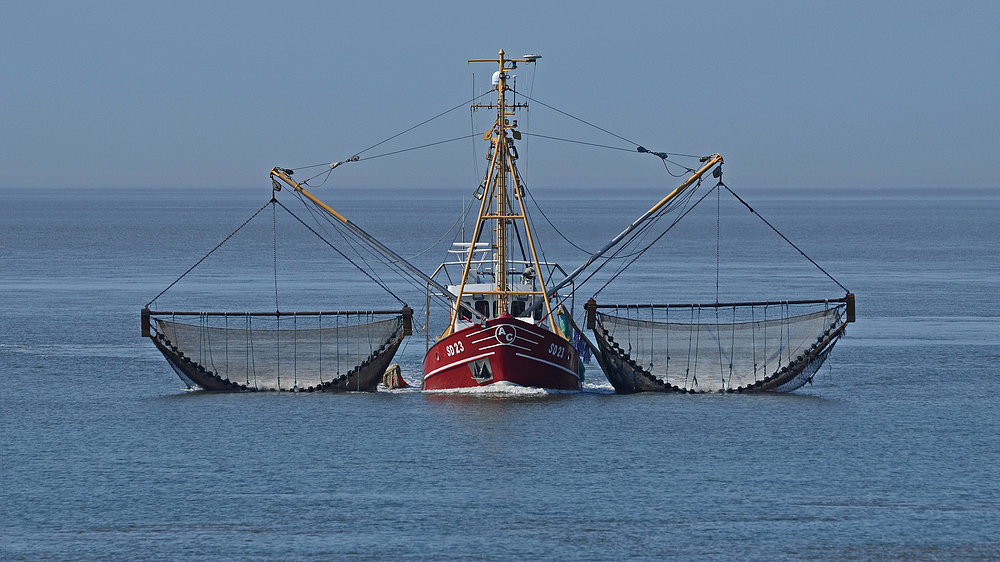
<point>506,334</point>
<point>481,370</point>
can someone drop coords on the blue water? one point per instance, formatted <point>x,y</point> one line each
<point>892,454</point>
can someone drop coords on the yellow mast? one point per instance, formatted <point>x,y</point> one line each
<point>501,180</point>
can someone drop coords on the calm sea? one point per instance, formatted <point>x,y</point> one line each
<point>892,454</point>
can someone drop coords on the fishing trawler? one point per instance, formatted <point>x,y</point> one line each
<point>503,327</point>
<point>508,323</point>
<point>505,324</point>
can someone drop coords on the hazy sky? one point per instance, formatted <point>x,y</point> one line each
<point>817,94</point>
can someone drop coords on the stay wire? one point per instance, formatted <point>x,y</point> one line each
<point>560,139</point>
<point>464,103</point>
<point>685,169</point>
<point>546,217</point>
<point>718,242</point>
<point>785,238</point>
<point>639,253</point>
<point>399,270</point>
<point>327,242</point>
<point>571,116</point>
<point>570,242</point>
<point>355,248</point>
<point>639,234</point>
<point>447,232</point>
<point>309,207</point>
<point>209,253</point>
<point>274,251</point>
<point>330,171</point>
<point>424,122</point>
<point>351,242</point>
<point>463,137</point>
<point>588,123</point>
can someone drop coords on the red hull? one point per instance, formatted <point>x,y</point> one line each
<point>505,350</point>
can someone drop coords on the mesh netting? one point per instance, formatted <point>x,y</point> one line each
<point>278,353</point>
<point>714,348</point>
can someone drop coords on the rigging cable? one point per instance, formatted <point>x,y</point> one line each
<point>378,282</point>
<point>641,233</point>
<point>782,236</point>
<point>401,271</point>
<point>664,157</point>
<point>718,240</point>
<point>274,249</point>
<point>208,254</point>
<point>639,253</point>
<point>640,148</point>
<point>339,231</point>
<point>458,220</point>
<point>546,217</point>
<point>686,169</point>
<point>356,156</point>
<point>420,124</point>
<point>356,159</point>
<point>582,121</point>
<point>463,137</point>
<point>629,150</point>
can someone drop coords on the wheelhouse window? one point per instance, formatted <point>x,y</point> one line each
<point>483,307</point>
<point>517,307</point>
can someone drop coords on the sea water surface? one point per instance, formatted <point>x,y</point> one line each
<point>892,454</point>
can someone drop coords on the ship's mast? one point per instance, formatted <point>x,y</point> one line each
<point>502,181</point>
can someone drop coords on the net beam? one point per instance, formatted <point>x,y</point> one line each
<point>775,346</point>
<point>264,351</point>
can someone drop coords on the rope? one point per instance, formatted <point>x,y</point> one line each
<point>664,157</point>
<point>208,254</point>
<point>226,317</point>
<point>639,253</point>
<point>753,341</point>
<point>629,150</point>
<point>686,169</point>
<point>422,146</point>
<point>277,348</point>
<point>327,242</point>
<point>697,343</point>
<point>425,122</point>
<point>639,148</point>
<point>402,272</point>
<point>447,232</point>
<point>582,121</point>
<point>475,98</point>
<point>546,217</point>
<point>295,351</point>
<point>783,236</point>
<point>355,159</point>
<point>274,246</point>
<point>718,238</point>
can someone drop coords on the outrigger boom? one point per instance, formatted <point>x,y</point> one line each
<point>709,163</point>
<point>283,175</point>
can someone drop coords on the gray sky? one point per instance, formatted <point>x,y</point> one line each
<point>812,94</point>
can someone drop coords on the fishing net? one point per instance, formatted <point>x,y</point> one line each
<point>319,351</point>
<point>747,347</point>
